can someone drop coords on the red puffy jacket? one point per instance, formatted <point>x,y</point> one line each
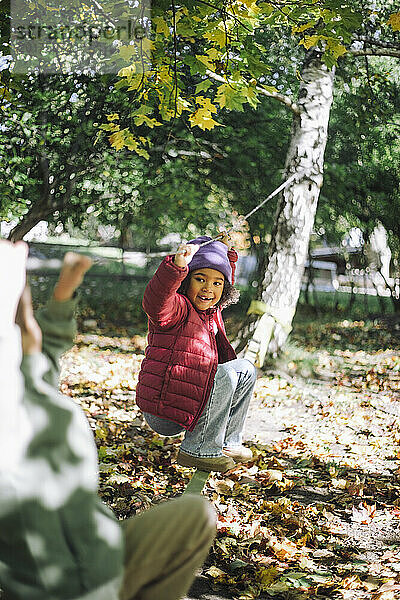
<point>183,352</point>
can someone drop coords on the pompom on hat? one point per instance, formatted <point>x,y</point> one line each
<point>214,255</point>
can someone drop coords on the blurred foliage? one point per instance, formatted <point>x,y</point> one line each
<point>197,180</point>
<point>362,173</point>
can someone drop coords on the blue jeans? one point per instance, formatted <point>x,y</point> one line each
<point>222,420</point>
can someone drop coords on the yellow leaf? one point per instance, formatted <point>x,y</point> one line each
<point>250,93</point>
<point>126,52</point>
<point>180,13</point>
<point>213,54</point>
<point>113,117</point>
<point>124,138</point>
<point>4,93</point>
<point>203,119</point>
<point>336,48</point>
<point>140,152</point>
<point>161,26</point>
<point>205,60</point>
<point>182,104</point>
<point>215,572</point>
<point>249,3</point>
<point>140,119</point>
<point>132,144</point>
<point>301,28</point>
<point>117,140</point>
<point>206,104</point>
<point>309,41</point>
<point>110,127</point>
<point>126,72</point>
<point>221,95</point>
<point>135,82</point>
<point>394,21</point>
<point>165,76</point>
<point>218,36</point>
<point>267,576</point>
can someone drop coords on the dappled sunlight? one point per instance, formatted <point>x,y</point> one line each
<point>317,510</point>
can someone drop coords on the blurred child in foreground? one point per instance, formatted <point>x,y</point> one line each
<point>58,541</point>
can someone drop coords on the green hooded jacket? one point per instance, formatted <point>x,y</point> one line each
<point>58,541</point>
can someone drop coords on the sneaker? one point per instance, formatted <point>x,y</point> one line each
<point>239,454</point>
<point>217,463</point>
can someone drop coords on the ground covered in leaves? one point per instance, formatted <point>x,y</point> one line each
<point>316,514</point>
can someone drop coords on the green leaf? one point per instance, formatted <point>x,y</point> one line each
<point>203,86</point>
<point>161,26</point>
<point>257,66</point>
<point>143,109</point>
<point>126,52</point>
<point>143,119</point>
<point>229,97</point>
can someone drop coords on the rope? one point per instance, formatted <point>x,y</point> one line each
<point>241,219</point>
<point>255,209</point>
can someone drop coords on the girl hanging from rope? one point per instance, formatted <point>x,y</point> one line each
<point>190,379</point>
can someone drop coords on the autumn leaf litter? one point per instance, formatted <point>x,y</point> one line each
<point>316,514</point>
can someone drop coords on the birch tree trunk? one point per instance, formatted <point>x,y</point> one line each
<point>270,318</point>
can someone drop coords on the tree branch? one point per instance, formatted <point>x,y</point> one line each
<point>231,14</point>
<point>280,97</point>
<point>376,52</point>
<point>373,42</point>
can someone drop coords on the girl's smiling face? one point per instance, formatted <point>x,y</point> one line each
<point>205,288</point>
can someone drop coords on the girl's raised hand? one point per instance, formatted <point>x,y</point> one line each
<point>225,238</point>
<point>184,254</point>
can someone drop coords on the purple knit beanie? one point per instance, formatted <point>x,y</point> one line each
<point>212,256</point>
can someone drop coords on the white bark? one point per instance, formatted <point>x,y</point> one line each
<point>379,253</point>
<point>297,205</point>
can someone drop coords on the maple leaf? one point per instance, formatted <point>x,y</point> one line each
<point>202,117</point>
<point>229,97</point>
<point>394,21</point>
<point>161,26</point>
<point>309,41</point>
<point>218,36</point>
<point>351,583</point>
<point>110,127</point>
<point>283,550</point>
<point>301,28</point>
<point>336,48</point>
<point>205,60</point>
<point>266,576</point>
<point>364,513</point>
<point>206,104</point>
<point>216,573</point>
<point>126,52</point>
<point>117,140</point>
<point>144,119</point>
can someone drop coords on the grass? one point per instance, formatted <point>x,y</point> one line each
<point>114,303</point>
<point>342,304</point>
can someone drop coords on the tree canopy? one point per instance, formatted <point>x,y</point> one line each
<point>208,56</point>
